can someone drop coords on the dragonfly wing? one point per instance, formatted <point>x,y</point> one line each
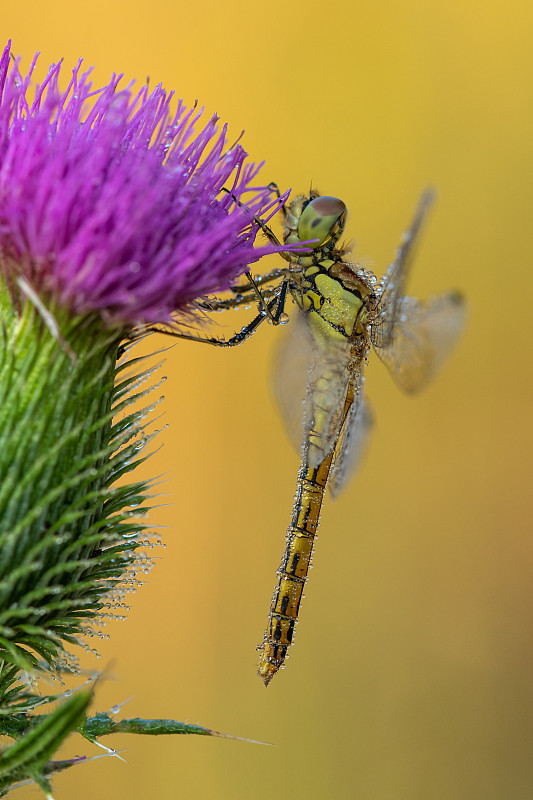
<point>423,336</point>
<point>292,363</point>
<point>329,379</point>
<point>352,442</point>
<point>310,386</point>
<point>396,277</point>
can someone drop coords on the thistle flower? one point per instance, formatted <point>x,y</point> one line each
<point>115,207</point>
<point>112,215</point>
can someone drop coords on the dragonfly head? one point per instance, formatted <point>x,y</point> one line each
<point>322,218</point>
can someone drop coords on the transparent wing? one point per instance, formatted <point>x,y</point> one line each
<point>293,358</point>
<point>352,442</point>
<point>310,386</point>
<point>423,336</point>
<point>396,277</point>
<point>329,379</point>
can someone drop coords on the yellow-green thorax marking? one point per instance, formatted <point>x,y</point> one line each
<point>336,297</point>
<point>338,301</point>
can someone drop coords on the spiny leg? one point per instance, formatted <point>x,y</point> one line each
<point>254,283</point>
<point>224,304</point>
<point>243,297</point>
<point>275,188</point>
<point>263,305</point>
<point>276,318</point>
<point>260,280</point>
<point>269,233</point>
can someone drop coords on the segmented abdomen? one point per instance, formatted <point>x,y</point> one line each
<point>292,573</point>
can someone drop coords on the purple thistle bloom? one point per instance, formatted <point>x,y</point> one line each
<point>111,204</point>
<point>114,213</point>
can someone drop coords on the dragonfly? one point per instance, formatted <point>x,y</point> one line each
<point>343,311</point>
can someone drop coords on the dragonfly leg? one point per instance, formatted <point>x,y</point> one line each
<point>269,233</point>
<point>259,280</point>
<point>238,338</point>
<point>275,310</point>
<point>261,300</point>
<point>274,188</point>
<point>224,304</point>
<point>243,296</point>
<point>280,311</point>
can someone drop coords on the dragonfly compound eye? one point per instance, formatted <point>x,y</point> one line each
<point>320,220</point>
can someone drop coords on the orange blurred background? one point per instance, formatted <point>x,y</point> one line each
<point>422,579</point>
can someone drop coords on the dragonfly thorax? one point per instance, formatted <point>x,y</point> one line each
<point>336,297</point>
<point>336,309</point>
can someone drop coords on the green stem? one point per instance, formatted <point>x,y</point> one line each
<point>65,530</point>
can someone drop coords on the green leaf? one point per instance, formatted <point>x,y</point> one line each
<point>28,756</point>
<point>103,724</point>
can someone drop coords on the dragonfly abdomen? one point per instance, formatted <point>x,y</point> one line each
<point>292,573</point>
